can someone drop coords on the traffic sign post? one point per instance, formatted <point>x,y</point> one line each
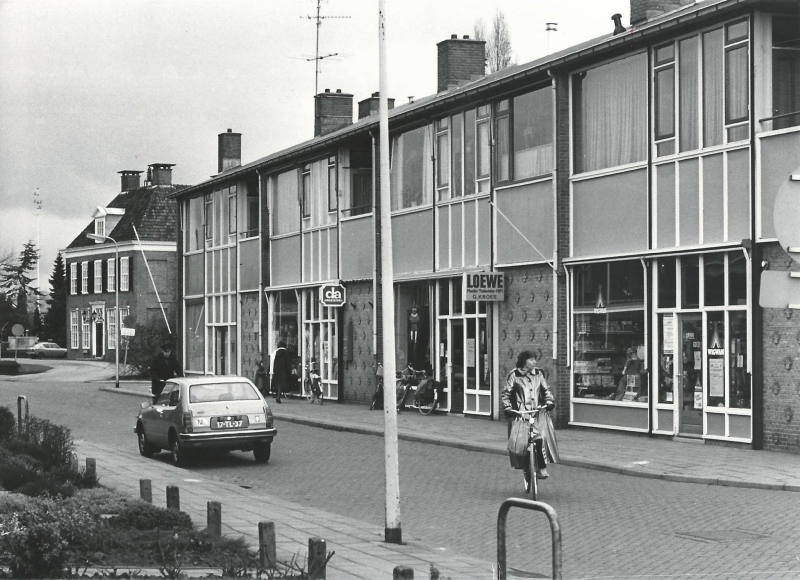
<point>17,330</point>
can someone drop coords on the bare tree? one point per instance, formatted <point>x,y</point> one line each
<point>499,54</point>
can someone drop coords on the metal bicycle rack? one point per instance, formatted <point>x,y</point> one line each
<point>555,531</point>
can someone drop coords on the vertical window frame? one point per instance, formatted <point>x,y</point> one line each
<point>443,178</point>
<point>305,192</point>
<point>85,277</point>
<point>98,276</point>
<point>111,275</point>
<point>73,278</point>
<point>333,197</point>
<point>124,274</point>
<point>74,328</point>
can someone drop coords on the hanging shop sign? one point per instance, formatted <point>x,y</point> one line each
<point>484,287</point>
<point>332,295</point>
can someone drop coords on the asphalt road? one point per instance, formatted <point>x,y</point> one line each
<point>612,525</point>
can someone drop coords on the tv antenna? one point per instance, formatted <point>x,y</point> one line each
<point>319,18</point>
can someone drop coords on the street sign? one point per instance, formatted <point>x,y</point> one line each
<point>21,342</point>
<point>332,295</point>
<point>127,331</point>
<point>484,287</point>
<point>17,330</point>
<point>779,290</point>
<point>786,215</point>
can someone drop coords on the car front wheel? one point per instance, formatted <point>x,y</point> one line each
<point>145,448</point>
<point>41,355</point>
<point>179,455</point>
<point>261,451</point>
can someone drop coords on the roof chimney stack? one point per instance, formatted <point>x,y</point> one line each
<point>130,179</point>
<point>160,173</point>
<point>369,106</point>
<point>332,111</point>
<point>460,60</point>
<point>644,10</point>
<point>229,151</point>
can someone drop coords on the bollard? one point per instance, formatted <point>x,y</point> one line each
<point>317,557</point>
<point>146,490</point>
<point>214,518</point>
<point>91,467</point>
<point>173,497</point>
<point>22,415</point>
<point>266,544</point>
<point>403,573</point>
<point>73,462</point>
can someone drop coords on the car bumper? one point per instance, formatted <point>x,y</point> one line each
<point>215,439</point>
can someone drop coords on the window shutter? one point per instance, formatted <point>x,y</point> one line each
<point>104,279</point>
<point>79,269</point>
<point>130,274</point>
<point>90,281</point>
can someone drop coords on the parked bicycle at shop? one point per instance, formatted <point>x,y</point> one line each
<point>313,385</point>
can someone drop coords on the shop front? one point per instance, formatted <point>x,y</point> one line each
<point>662,345</point>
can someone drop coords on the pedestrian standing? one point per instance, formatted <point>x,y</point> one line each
<point>162,369</point>
<point>281,370</point>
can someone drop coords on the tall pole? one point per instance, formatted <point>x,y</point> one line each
<point>393,532</point>
<point>116,309</point>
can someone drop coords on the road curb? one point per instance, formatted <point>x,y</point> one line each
<point>121,391</point>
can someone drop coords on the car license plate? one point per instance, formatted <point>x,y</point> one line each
<point>229,422</point>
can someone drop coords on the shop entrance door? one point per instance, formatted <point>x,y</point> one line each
<point>457,366</point>
<point>689,374</point>
<point>321,343</point>
<point>220,343</point>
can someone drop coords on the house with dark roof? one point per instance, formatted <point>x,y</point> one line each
<point>628,198</point>
<point>131,250</point>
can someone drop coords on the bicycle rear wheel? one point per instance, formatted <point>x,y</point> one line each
<point>428,408</point>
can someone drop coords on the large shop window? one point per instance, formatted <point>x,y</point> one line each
<point>285,322</point>
<point>525,135</point>
<point>786,71</point>
<point>194,336</point>
<point>610,357</point>
<point>285,205</point>
<point>610,114</point>
<point>411,178</point>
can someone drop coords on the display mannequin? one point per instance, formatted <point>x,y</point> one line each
<point>413,324</point>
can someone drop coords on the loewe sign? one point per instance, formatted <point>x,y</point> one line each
<point>484,287</point>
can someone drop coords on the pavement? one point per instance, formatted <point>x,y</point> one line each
<point>360,550</point>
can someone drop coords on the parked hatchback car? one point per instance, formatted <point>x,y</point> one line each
<point>193,413</point>
<point>46,350</point>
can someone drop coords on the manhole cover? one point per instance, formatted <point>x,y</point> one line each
<point>723,536</point>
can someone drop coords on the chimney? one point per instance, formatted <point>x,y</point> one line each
<point>160,173</point>
<point>130,179</point>
<point>644,10</point>
<point>618,28</point>
<point>332,111</point>
<point>369,106</point>
<point>229,151</point>
<point>460,61</point>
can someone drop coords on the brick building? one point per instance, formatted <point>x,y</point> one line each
<point>624,188</point>
<point>93,274</point>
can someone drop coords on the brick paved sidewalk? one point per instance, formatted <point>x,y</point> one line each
<point>360,554</point>
<point>627,454</point>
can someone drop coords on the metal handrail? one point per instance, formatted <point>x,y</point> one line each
<point>555,531</point>
<point>783,116</point>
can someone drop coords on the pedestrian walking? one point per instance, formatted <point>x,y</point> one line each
<point>163,368</point>
<point>281,370</point>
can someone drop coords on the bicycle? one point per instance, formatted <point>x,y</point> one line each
<point>530,473</point>
<point>407,378</point>
<point>426,398</point>
<point>313,388</point>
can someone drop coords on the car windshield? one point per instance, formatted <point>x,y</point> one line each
<point>222,392</point>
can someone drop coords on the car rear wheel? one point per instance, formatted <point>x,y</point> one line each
<point>179,454</point>
<point>40,355</point>
<point>261,451</point>
<point>145,448</point>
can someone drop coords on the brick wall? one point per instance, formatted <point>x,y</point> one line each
<point>781,360</point>
<point>333,111</point>
<point>359,374</point>
<point>642,10</point>
<point>250,349</point>
<point>459,60</point>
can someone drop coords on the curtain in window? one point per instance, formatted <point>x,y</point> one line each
<point>285,206</point>
<point>611,114</point>
<point>736,108</point>
<point>786,87</point>
<point>713,88</point>
<point>411,170</point>
<point>688,95</point>
<point>665,103</point>
<point>533,133</point>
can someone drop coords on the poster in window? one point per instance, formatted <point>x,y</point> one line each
<point>716,377</point>
<point>668,340</point>
<point>470,352</point>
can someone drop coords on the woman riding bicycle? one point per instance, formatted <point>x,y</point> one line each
<point>525,389</point>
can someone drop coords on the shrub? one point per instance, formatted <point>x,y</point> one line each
<point>11,503</point>
<point>55,440</point>
<point>144,516</point>
<point>100,500</point>
<point>22,447</point>
<point>49,486</point>
<point>17,470</point>
<point>8,424</point>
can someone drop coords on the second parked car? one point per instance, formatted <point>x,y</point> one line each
<point>46,350</point>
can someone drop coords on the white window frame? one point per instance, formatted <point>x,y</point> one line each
<point>73,279</point>
<point>84,277</point>
<point>86,334</point>
<point>100,228</point>
<point>74,329</point>
<point>98,276</point>
<point>111,279</point>
<point>124,274</point>
<point>112,328</point>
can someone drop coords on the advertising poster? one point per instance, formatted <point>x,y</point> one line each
<point>470,352</point>
<point>716,377</point>
<point>668,340</point>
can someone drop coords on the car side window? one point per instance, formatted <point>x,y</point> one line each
<point>163,398</point>
<point>174,397</point>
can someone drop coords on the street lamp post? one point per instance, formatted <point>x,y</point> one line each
<point>98,237</point>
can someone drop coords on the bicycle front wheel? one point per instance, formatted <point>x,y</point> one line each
<point>534,482</point>
<point>428,408</point>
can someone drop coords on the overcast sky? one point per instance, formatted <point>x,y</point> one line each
<point>92,87</point>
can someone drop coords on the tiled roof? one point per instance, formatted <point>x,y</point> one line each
<point>150,209</point>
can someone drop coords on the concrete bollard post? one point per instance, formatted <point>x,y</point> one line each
<point>22,415</point>
<point>214,518</point>
<point>266,545</point>
<point>74,464</point>
<point>317,553</point>
<point>173,497</point>
<point>146,490</point>
<point>91,467</point>
<point>403,573</point>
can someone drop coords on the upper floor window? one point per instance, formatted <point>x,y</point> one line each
<point>252,221</point>
<point>305,191</point>
<point>785,71</point>
<point>610,114</point>
<point>360,181</point>
<point>524,135</point>
<point>193,228</point>
<point>332,197</point>
<point>209,217</point>
<point>284,195</point>
<point>231,211</point>
<point>111,278</point>
<point>462,153</point>
<point>73,278</point>
<point>100,227</point>
<point>84,277</point>
<point>411,179</point>
<point>124,274</point>
<point>98,276</point>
